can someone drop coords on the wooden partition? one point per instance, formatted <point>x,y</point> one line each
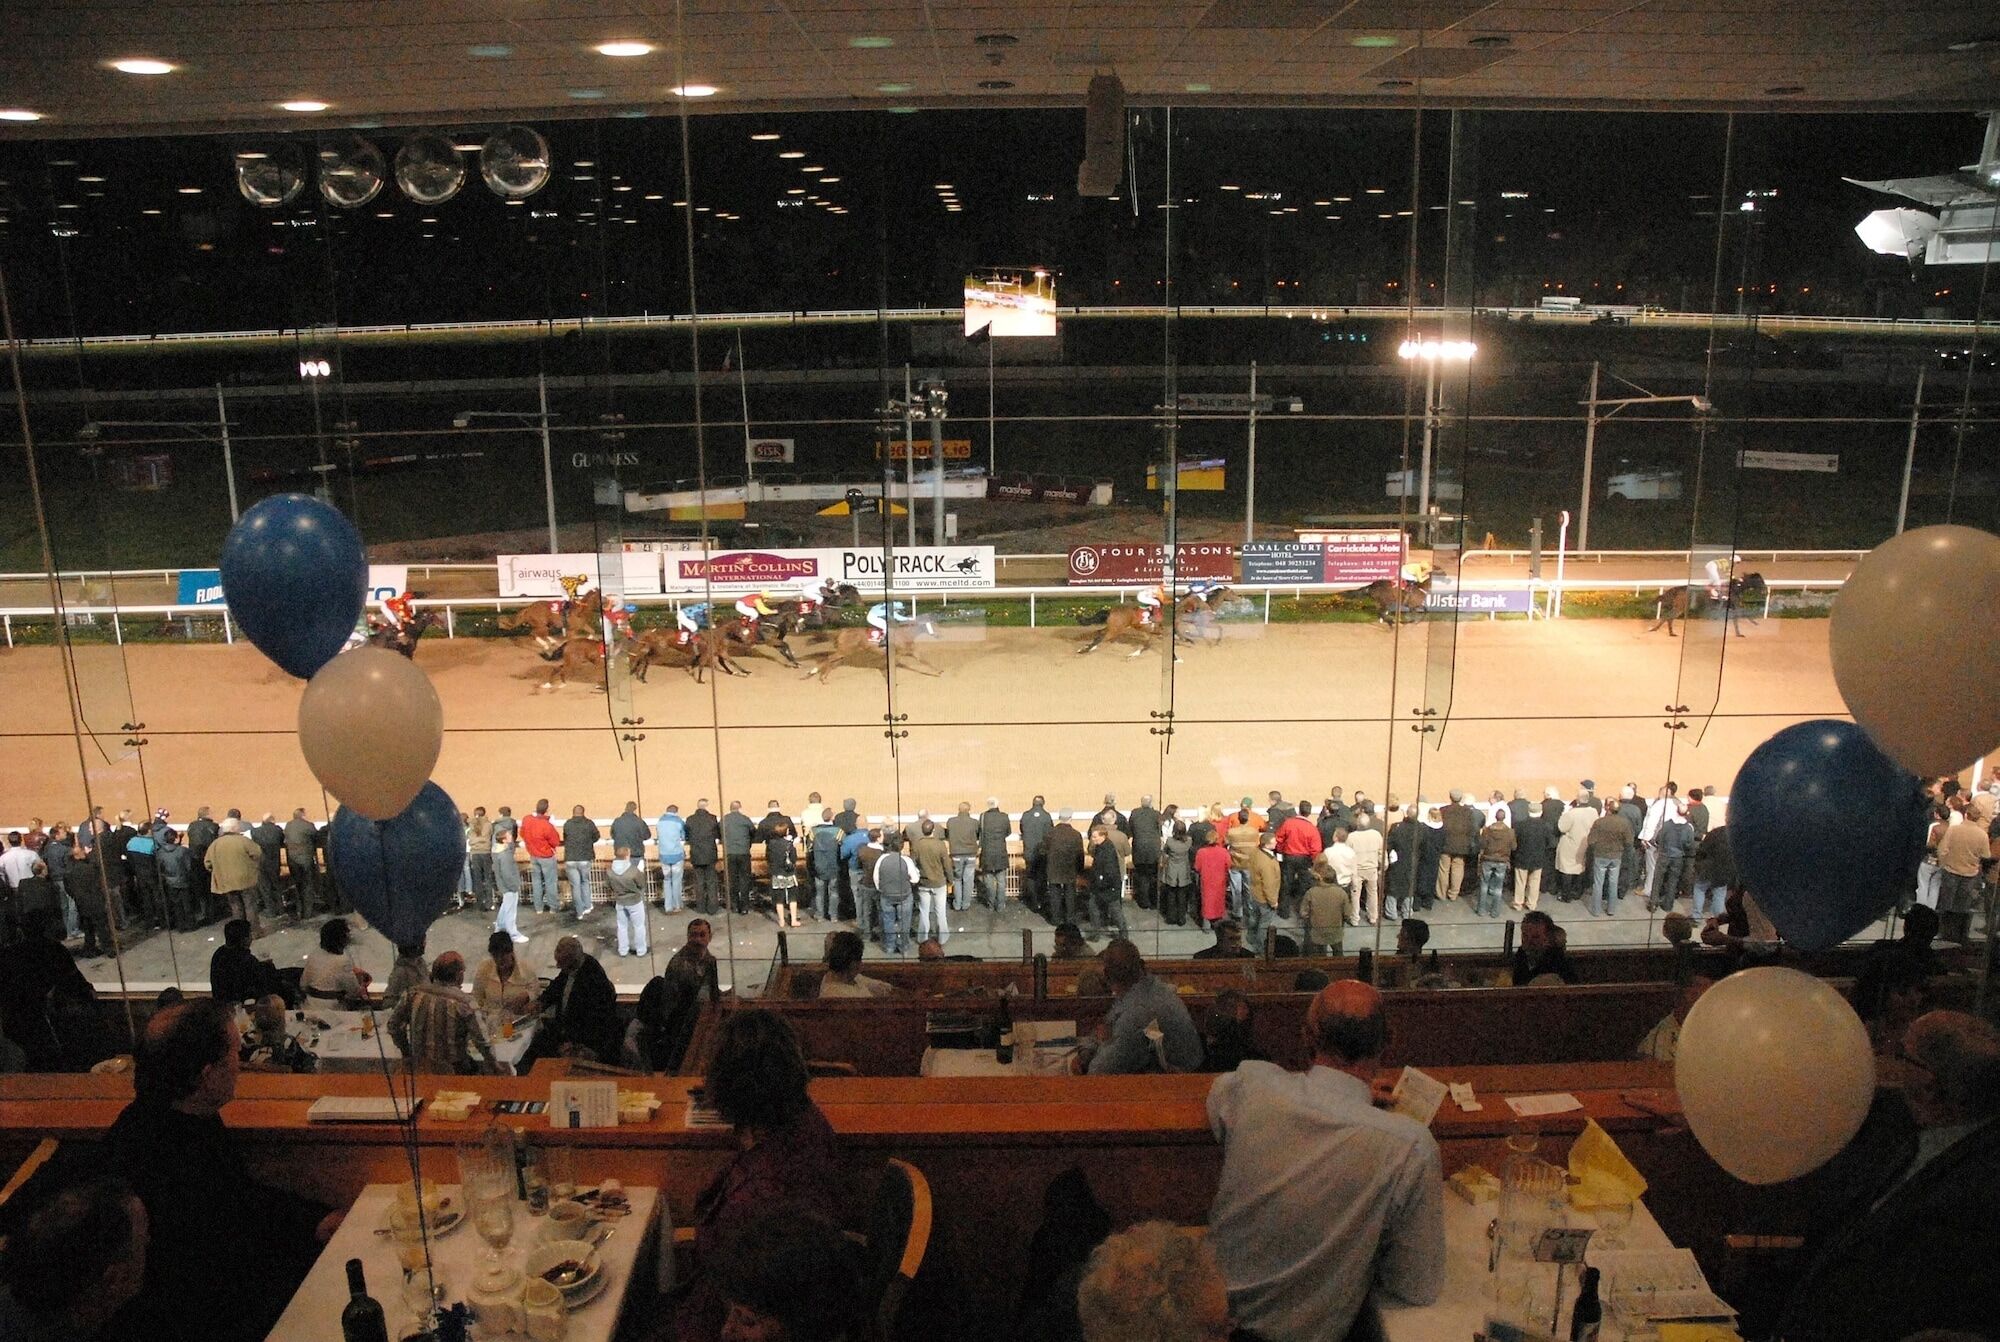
<point>1459,1027</point>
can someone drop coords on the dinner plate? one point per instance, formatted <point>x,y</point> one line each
<point>593,1286</point>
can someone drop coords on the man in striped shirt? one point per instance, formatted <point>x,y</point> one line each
<point>436,1026</point>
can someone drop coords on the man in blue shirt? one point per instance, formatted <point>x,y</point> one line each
<point>1323,1198</point>
<point>865,914</point>
<point>1147,1028</point>
<point>671,836</point>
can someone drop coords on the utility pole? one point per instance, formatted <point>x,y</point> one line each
<point>1250,482</point>
<point>1589,452</point>
<point>909,458</point>
<point>548,457</point>
<point>934,404</point>
<point>1909,456</point>
<point>229,462</point>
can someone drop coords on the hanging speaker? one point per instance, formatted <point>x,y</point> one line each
<point>1103,137</point>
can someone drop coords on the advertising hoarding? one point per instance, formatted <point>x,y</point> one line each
<point>1139,565</point>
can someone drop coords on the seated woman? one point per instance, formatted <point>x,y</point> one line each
<point>330,977</point>
<point>786,1153</point>
<point>501,984</point>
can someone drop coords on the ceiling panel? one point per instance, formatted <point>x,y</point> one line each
<point>413,60</point>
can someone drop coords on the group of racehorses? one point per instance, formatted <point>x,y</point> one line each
<point>571,634</point>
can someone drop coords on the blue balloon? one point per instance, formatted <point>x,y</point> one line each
<point>399,873</point>
<point>296,578</point>
<point>1827,831</point>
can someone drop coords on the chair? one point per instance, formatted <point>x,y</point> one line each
<point>898,1236</point>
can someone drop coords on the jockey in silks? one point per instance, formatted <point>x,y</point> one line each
<point>753,608</point>
<point>814,593</point>
<point>879,617</point>
<point>396,610</point>
<point>690,622</point>
<point>618,624</point>
<point>1151,602</point>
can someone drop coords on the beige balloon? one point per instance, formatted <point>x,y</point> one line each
<point>1914,628</point>
<point>371,727</point>
<point>1774,1073</point>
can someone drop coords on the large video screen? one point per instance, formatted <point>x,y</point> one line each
<point>1012,304</point>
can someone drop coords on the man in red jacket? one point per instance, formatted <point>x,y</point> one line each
<point>539,837</point>
<point>1298,843</point>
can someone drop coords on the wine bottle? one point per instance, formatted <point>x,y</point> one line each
<point>1588,1316</point>
<point>1004,1054</point>
<point>362,1320</point>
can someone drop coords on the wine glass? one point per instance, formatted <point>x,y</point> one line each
<point>424,1290</point>
<point>493,1217</point>
<point>559,1167</point>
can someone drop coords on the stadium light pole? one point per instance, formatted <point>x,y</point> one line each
<point>1432,353</point>
<point>540,417</point>
<point>1701,404</point>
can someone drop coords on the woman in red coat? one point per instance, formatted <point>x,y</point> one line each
<point>1211,869</point>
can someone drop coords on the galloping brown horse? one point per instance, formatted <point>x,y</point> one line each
<point>702,652</point>
<point>1119,621</point>
<point>575,657</point>
<point>544,622</point>
<point>848,642</point>
<point>1674,604</point>
<point>1393,600</point>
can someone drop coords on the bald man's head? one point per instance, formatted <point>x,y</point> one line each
<point>1345,1024</point>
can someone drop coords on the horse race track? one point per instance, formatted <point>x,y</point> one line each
<point>1298,707</point>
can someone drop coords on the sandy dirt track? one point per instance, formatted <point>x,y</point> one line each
<point>1015,713</point>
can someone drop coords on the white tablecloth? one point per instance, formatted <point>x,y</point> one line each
<point>1028,1059</point>
<point>1466,1301</point>
<point>343,1048</point>
<point>314,1313</point>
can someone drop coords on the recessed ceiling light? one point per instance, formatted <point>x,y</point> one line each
<point>490,51</point>
<point>1374,191</point>
<point>995,85</point>
<point>655,197</point>
<point>795,191</point>
<point>190,190</point>
<point>694,90</point>
<point>814,167</point>
<point>90,179</point>
<point>995,40</point>
<point>143,65</point>
<point>624,48</point>
<point>791,153</point>
<point>1196,88</point>
<point>385,214</point>
<point>871,42</point>
<point>303,105</point>
<point>942,186</point>
<point>825,180</point>
<point>621,187</point>
<point>1342,200</point>
<point>1231,186</point>
<point>149,211</point>
<point>513,202</point>
<point>894,87</point>
<point>766,135</point>
<point>586,95</point>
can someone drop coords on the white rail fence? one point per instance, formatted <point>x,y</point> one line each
<point>1542,593</point>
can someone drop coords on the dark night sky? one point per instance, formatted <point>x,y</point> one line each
<point>1611,198</point>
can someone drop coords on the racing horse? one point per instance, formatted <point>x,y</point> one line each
<point>1121,620</point>
<point>699,653</point>
<point>1395,602</point>
<point>1675,603</point>
<point>848,642</point>
<point>403,637</point>
<point>545,623</point>
<point>577,655</point>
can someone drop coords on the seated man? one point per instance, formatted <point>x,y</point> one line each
<point>1543,952</point>
<point>1323,1198</point>
<point>72,1263</point>
<point>1228,943</point>
<point>270,1047</point>
<point>1663,1042</point>
<point>1155,1281</point>
<point>437,1027</point>
<point>235,973</point>
<point>1144,1007</point>
<point>205,1211</point>
<point>843,970</point>
<point>580,1009</point>
<point>1929,1214</point>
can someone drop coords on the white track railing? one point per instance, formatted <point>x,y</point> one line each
<point>1539,589</point>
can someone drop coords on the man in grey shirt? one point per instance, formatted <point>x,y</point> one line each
<point>962,833</point>
<point>1142,1003</point>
